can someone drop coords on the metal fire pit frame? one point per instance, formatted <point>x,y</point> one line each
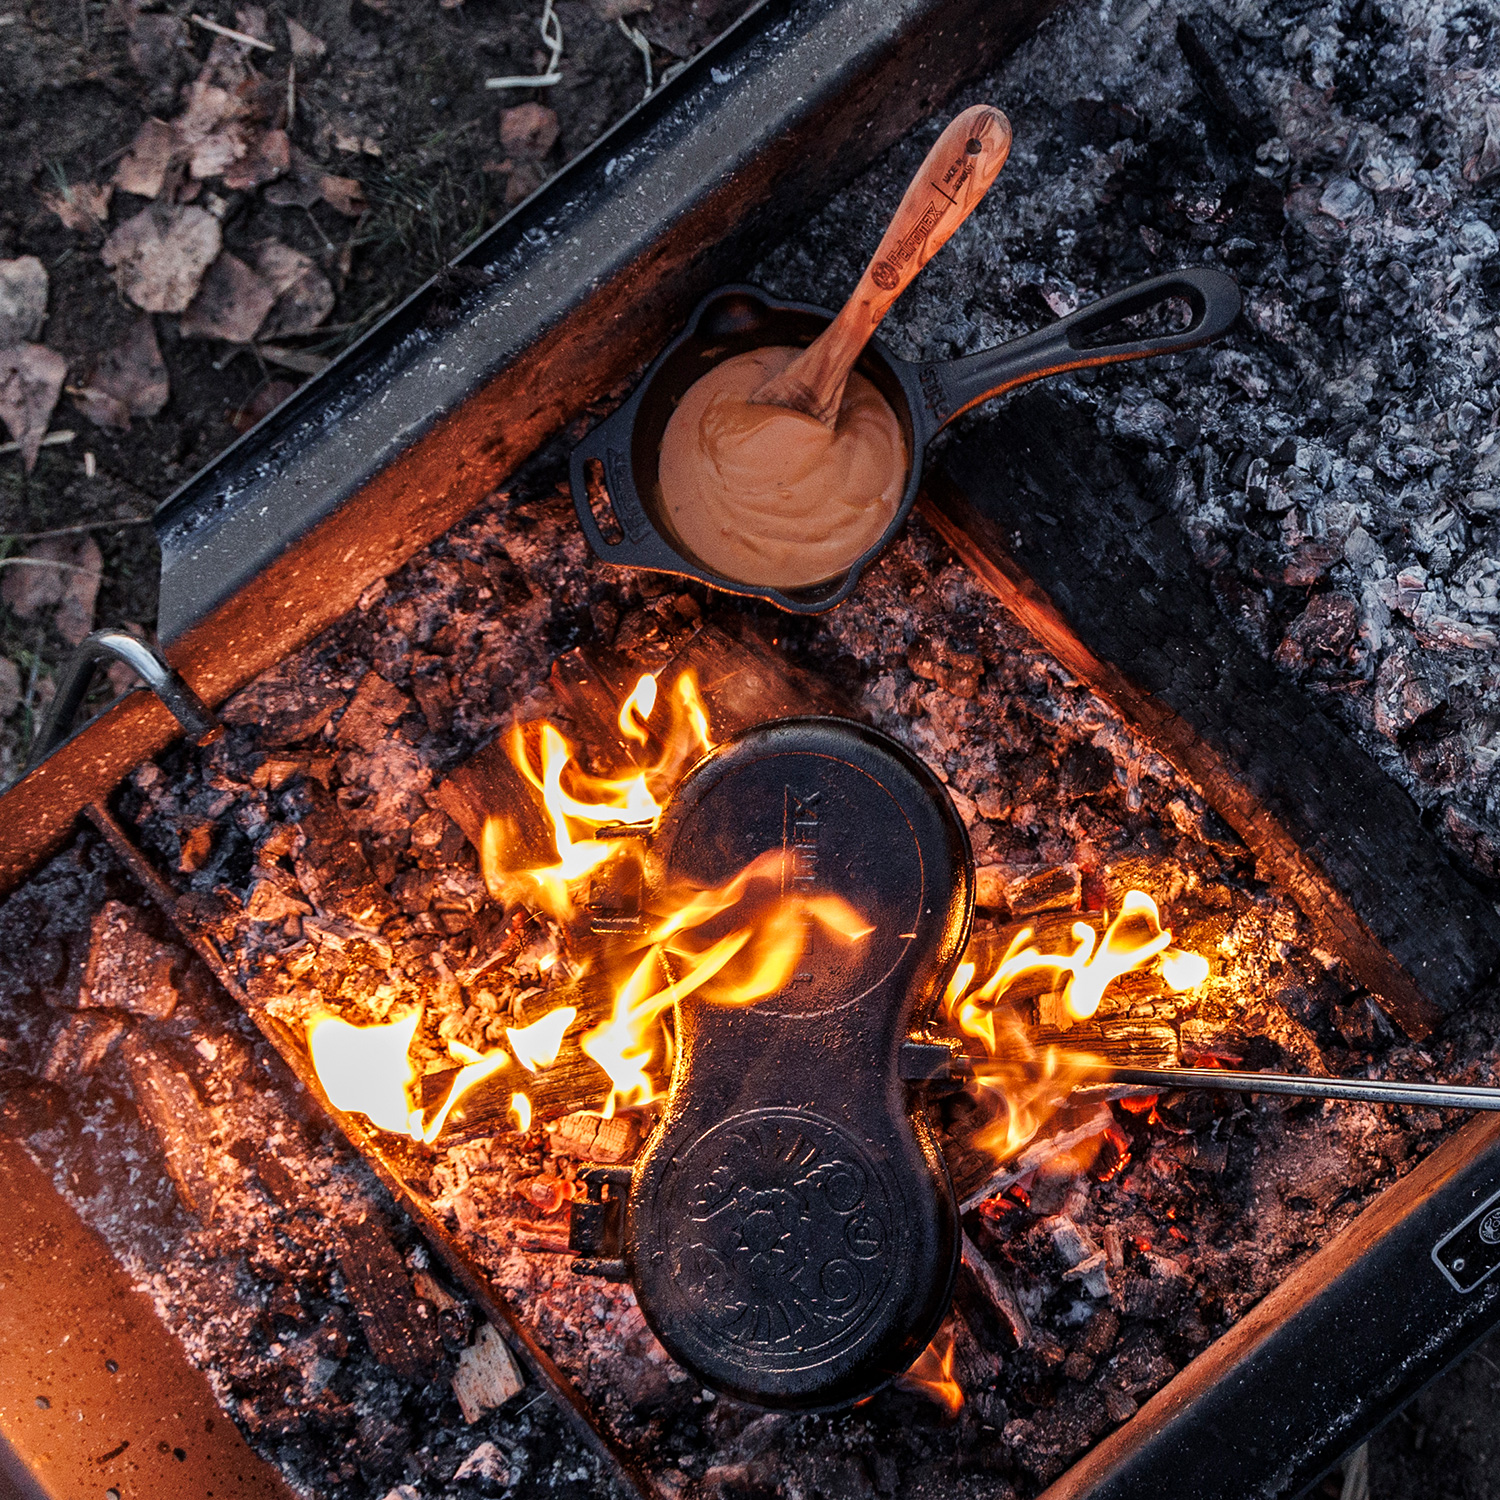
<point>564,301</point>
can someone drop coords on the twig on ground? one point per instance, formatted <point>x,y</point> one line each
<point>234,36</point>
<point>552,34</point>
<point>42,536</point>
<point>52,440</point>
<point>637,39</point>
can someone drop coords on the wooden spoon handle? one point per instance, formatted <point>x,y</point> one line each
<point>956,174</point>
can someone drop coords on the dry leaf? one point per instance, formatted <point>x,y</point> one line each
<point>160,255</point>
<point>143,169</point>
<point>102,409</point>
<point>344,194</point>
<point>82,206</point>
<point>75,615</point>
<point>10,683</point>
<point>60,572</point>
<point>231,304</point>
<point>304,43</point>
<point>23,299</point>
<point>31,377</point>
<point>128,381</point>
<point>217,153</point>
<point>268,157</point>
<point>304,296</point>
<point>528,130</point>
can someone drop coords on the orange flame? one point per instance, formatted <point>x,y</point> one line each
<point>520,1106</point>
<point>748,964</point>
<point>931,1374</point>
<point>1029,1082</point>
<point>536,1046</point>
<point>365,1069</point>
<point>577,803</point>
<point>636,709</point>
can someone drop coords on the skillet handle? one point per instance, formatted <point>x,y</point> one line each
<point>953,387</point>
<point>602,461</point>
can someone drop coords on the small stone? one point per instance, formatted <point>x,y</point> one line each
<point>486,1463</point>
<point>1477,238</point>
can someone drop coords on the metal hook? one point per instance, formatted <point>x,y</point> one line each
<point>195,716</point>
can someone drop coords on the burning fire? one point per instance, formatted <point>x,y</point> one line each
<point>1028,1080</point>
<point>931,1374</point>
<point>674,959</point>
<point>747,964</point>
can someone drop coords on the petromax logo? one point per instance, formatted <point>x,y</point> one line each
<point>801,824</point>
<point>1489,1228</point>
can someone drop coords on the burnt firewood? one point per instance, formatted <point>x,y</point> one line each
<point>746,682</point>
<point>398,1326</point>
<point>572,1082</point>
<point>1114,593</point>
<point>80,1044</point>
<point>331,865</point>
<point>997,1292</point>
<point>376,705</point>
<point>128,969</point>
<point>1210,49</point>
<point>487,1375</point>
<point>285,704</point>
<point>170,1108</point>
<point>1023,893</point>
<point>591,1137</point>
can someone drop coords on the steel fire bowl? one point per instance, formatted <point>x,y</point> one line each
<point>790,1227</point>
<point>614,469</point>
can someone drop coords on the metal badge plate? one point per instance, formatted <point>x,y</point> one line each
<point>1470,1254</point>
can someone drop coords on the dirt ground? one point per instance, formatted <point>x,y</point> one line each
<point>361,136</point>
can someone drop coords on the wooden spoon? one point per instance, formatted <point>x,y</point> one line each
<point>957,173</point>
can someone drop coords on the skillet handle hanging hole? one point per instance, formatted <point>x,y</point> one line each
<point>600,506</point>
<point>1171,315</point>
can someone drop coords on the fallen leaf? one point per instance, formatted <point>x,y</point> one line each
<point>208,107</point>
<point>23,299</point>
<point>143,169</point>
<point>217,153</point>
<point>160,255</point>
<point>82,206</point>
<point>129,380</point>
<point>10,685</point>
<point>528,130</point>
<point>304,296</point>
<point>31,377</point>
<point>270,154</point>
<point>75,614</point>
<point>301,187</point>
<point>304,43</point>
<point>59,572</point>
<point>344,194</point>
<point>231,304</point>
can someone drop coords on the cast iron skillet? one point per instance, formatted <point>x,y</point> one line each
<point>614,468</point>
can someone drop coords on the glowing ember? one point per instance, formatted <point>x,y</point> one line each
<point>931,1374</point>
<point>365,1069</point>
<point>536,1046</point>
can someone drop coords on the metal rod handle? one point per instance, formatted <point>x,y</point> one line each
<point>1355,1090</point>
<point>195,716</point>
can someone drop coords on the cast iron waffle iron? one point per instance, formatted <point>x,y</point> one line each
<point>789,1228</point>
